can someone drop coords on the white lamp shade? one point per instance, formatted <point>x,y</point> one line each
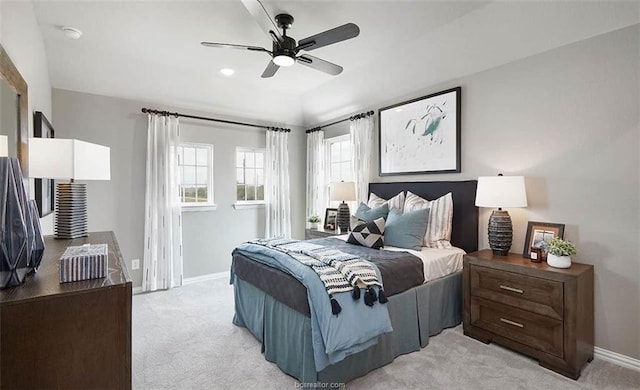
<point>501,191</point>
<point>342,191</point>
<point>65,159</point>
<point>4,146</point>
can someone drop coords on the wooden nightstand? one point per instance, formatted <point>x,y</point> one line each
<point>541,311</point>
<point>319,233</point>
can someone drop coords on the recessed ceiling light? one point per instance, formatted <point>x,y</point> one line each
<point>72,33</point>
<point>227,71</point>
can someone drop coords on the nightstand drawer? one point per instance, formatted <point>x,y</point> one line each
<point>540,332</point>
<point>541,296</point>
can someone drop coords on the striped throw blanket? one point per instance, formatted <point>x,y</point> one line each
<point>338,271</point>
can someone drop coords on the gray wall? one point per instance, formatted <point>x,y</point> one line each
<point>118,204</point>
<point>21,38</point>
<point>568,121</point>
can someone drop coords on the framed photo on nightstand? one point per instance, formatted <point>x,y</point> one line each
<point>538,233</point>
<point>330,216</point>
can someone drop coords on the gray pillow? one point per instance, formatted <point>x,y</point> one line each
<point>369,214</point>
<point>406,230</point>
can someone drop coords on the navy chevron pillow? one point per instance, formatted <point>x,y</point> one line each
<point>370,234</point>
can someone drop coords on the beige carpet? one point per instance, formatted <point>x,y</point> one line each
<point>184,339</point>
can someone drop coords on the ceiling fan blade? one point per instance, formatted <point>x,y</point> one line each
<point>270,70</point>
<point>319,64</point>
<point>234,46</point>
<point>338,34</point>
<point>262,17</point>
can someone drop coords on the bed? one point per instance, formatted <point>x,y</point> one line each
<point>272,304</point>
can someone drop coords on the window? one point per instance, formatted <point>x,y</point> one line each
<point>250,175</point>
<point>338,163</point>
<point>339,158</point>
<point>196,170</point>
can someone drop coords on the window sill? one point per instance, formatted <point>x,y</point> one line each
<point>200,207</point>
<point>248,205</point>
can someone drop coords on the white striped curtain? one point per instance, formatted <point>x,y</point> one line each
<point>162,266</point>
<point>316,181</point>
<point>361,131</point>
<point>276,183</point>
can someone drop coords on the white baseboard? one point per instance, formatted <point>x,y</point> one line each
<point>195,279</point>
<point>616,358</point>
<point>202,278</point>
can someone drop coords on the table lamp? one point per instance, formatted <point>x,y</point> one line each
<point>4,146</point>
<point>497,192</point>
<point>343,191</point>
<point>69,159</point>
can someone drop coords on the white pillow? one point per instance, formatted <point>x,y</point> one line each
<point>395,202</point>
<point>438,232</point>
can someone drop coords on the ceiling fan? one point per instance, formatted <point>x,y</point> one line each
<point>285,51</point>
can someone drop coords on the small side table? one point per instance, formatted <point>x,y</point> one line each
<point>319,233</point>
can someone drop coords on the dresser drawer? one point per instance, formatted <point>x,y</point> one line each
<point>541,296</point>
<point>539,332</point>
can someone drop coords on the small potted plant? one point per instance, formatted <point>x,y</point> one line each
<point>559,252</point>
<point>314,221</point>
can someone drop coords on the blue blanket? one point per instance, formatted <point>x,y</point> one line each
<point>334,337</point>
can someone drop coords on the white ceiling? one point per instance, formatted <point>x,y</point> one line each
<point>150,51</point>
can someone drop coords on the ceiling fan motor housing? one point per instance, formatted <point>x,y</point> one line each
<point>287,47</point>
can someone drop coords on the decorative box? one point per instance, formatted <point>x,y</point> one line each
<point>84,262</point>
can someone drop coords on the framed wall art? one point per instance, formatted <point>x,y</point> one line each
<point>539,233</point>
<point>421,135</point>
<point>44,187</point>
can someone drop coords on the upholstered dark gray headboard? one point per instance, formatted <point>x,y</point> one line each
<point>464,232</point>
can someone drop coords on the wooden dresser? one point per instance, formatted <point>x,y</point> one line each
<point>541,311</point>
<point>68,336</point>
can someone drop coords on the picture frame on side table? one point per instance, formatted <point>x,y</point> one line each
<point>330,219</point>
<point>421,135</point>
<point>538,233</point>
<point>44,188</point>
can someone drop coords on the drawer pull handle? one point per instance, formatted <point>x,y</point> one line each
<point>517,290</point>
<point>519,325</point>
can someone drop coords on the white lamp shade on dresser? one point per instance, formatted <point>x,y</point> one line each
<point>65,159</point>
<point>501,191</point>
<point>342,191</point>
<point>4,146</point>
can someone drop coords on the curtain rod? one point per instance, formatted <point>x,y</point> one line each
<point>351,118</point>
<point>203,118</point>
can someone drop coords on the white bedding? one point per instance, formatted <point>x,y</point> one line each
<point>436,262</point>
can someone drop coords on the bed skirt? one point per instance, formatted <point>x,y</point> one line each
<point>285,334</point>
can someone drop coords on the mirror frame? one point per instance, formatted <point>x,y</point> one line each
<point>10,74</point>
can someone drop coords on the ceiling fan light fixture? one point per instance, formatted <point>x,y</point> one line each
<point>283,60</point>
<point>227,71</point>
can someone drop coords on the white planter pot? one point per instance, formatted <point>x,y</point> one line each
<point>559,261</point>
<point>314,225</point>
